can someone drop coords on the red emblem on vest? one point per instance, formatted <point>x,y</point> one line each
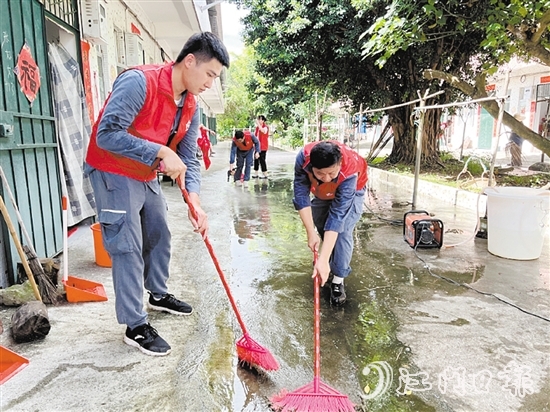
<point>352,163</point>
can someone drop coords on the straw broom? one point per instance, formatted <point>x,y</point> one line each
<point>11,228</point>
<point>248,350</point>
<point>48,291</point>
<point>316,396</point>
<point>47,287</point>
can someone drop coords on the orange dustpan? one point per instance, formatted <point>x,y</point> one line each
<point>77,289</point>
<point>10,364</point>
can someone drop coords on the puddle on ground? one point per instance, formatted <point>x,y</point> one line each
<point>270,278</point>
<point>272,274</point>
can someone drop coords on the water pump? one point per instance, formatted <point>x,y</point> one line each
<point>421,231</point>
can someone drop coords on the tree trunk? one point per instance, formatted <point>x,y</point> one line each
<point>404,136</point>
<point>430,141</point>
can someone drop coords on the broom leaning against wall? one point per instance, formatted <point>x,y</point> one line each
<point>48,290</point>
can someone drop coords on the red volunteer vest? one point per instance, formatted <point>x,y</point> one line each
<point>153,123</point>
<point>352,164</point>
<point>245,144</point>
<point>204,133</point>
<point>263,138</point>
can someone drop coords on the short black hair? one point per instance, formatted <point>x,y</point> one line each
<point>239,134</point>
<point>325,154</point>
<point>262,117</point>
<point>205,46</point>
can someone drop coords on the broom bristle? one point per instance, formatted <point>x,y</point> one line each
<point>306,399</point>
<point>254,354</point>
<point>47,290</point>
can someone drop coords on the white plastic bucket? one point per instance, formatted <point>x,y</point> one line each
<point>517,219</point>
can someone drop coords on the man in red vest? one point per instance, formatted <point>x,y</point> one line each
<point>337,178</point>
<point>150,120</point>
<point>262,132</point>
<point>205,145</point>
<point>244,148</point>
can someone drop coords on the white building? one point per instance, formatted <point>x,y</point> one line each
<point>117,34</point>
<point>528,94</point>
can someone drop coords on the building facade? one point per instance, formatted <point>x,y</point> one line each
<point>528,94</point>
<point>59,59</point>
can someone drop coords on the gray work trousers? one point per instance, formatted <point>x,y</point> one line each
<point>133,218</point>
<point>343,248</point>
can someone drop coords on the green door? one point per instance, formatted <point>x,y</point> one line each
<point>485,137</point>
<point>28,143</point>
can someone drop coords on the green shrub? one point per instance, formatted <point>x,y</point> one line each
<point>475,165</point>
<point>295,136</point>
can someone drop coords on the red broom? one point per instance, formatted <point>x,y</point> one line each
<point>248,350</point>
<point>316,396</point>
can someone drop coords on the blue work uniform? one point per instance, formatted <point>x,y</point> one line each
<point>139,244</point>
<point>340,214</point>
<point>244,158</point>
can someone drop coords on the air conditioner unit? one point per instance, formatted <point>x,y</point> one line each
<point>94,20</point>
<point>133,49</point>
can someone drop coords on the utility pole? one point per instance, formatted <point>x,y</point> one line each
<point>317,119</point>
<point>500,102</point>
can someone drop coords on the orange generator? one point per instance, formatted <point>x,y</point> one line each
<point>421,231</point>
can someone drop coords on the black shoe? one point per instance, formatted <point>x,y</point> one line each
<point>255,176</point>
<point>337,293</point>
<point>168,303</point>
<point>147,340</point>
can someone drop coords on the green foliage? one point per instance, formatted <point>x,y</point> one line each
<point>240,105</point>
<point>373,53</point>
<point>377,161</point>
<point>478,165</point>
<point>490,25</point>
<point>452,168</point>
<point>307,46</point>
<point>536,181</point>
<point>293,137</point>
<point>395,31</point>
<point>445,156</point>
<point>303,47</point>
<point>501,18</point>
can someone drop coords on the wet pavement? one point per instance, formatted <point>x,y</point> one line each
<point>422,330</point>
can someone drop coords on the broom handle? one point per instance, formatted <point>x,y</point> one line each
<point>19,248</point>
<point>65,240</point>
<point>19,218</point>
<point>316,329</point>
<point>215,260</point>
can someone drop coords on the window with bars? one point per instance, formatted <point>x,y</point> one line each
<point>543,91</point>
<point>64,10</point>
<point>120,50</point>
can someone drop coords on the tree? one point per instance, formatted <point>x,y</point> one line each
<point>240,107</point>
<point>518,27</point>
<point>316,42</point>
<point>503,29</point>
